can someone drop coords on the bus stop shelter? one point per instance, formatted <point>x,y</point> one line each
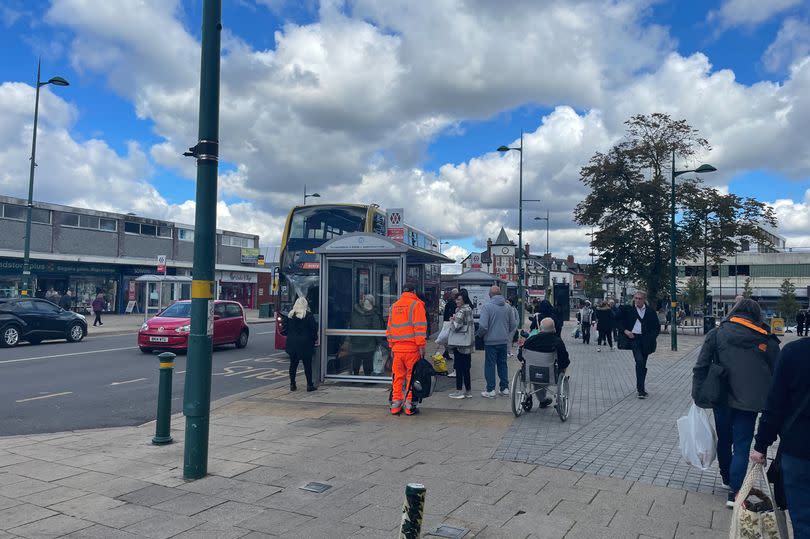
<point>156,292</point>
<point>478,284</point>
<point>361,277</point>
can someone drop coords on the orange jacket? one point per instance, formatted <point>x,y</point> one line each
<point>407,324</point>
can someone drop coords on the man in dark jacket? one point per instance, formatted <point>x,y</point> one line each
<point>66,301</point>
<point>546,310</point>
<point>547,341</point>
<point>801,320</point>
<point>641,326</point>
<point>447,314</point>
<point>788,392</point>
<point>747,353</point>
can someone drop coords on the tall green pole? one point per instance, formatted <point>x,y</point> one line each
<point>520,240</point>
<point>673,290</point>
<point>197,393</point>
<point>26,280</point>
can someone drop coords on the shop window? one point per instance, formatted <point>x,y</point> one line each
<point>184,234</point>
<point>132,228</point>
<point>237,241</point>
<point>12,211</point>
<point>164,232</point>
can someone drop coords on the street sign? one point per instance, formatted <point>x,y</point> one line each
<point>395,224</point>
<point>161,264</point>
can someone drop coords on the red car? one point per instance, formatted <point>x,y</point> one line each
<point>169,329</point>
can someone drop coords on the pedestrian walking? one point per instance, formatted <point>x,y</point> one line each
<point>463,324</point>
<point>302,335</point>
<point>801,319</point>
<point>447,315</point>
<point>407,336</point>
<point>640,325</point>
<point>604,326</point>
<point>496,324</point>
<point>585,318</point>
<point>66,301</point>
<point>747,353</point>
<point>98,306</point>
<point>616,319</point>
<point>546,340</point>
<point>787,414</point>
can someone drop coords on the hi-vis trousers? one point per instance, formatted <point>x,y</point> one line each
<point>402,367</point>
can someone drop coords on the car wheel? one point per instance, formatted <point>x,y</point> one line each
<point>75,333</point>
<point>243,339</point>
<point>11,336</point>
<point>145,349</point>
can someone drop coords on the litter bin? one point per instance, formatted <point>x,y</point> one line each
<point>708,324</point>
<point>265,310</point>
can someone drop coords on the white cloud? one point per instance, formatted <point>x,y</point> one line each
<point>749,12</point>
<point>792,43</point>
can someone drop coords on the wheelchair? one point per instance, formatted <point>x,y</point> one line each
<point>535,377</point>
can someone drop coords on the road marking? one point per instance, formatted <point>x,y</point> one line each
<point>259,359</point>
<point>66,355</point>
<point>127,382</point>
<point>180,372</point>
<point>46,396</point>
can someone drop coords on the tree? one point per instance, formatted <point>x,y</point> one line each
<point>787,304</point>
<point>631,212</point>
<point>594,277</point>
<point>747,290</point>
<point>694,292</point>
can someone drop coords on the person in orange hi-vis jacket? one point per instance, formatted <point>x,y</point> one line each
<point>407,336</point>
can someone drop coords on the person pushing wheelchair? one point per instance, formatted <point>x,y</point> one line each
<point>546,340</point>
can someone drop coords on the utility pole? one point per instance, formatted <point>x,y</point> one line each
<point>197,394</point>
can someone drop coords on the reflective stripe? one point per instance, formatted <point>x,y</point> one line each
<point>404,337</point>
<point>403,325</point>
<point>419,324</point>
<point>410,312</point>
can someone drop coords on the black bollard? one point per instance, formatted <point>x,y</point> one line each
<point>164,408</point>
<point>412,511</point>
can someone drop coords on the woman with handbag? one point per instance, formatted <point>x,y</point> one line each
<point>302,333</point>
<point>461,340</point>
<point>732,376</point>
<point>787,415</point>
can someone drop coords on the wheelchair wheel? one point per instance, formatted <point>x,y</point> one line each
<point>518,392</point>
<point>563,405</point>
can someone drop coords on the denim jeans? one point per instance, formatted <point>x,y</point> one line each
<point>735,432</point>
<point>797,490</point>
<point>495,356</point>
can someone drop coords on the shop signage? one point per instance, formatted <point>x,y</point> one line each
<point>238,277</point>
<point>250,255</point>
<point>476,261</point>
<point>13,266</point>
<point>131,291</point>
<point>260,260</point>
<point>395,224</point>
<point>161,264</point>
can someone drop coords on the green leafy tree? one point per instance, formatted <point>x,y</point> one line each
<point>629,203</point>
<point>747,290</point>
<point>594,277</point>
<point>694,291</point>
<point>787,304</point>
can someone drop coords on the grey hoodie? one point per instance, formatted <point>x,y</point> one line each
<point>496,323</point>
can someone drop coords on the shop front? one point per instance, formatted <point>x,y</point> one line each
<point>238,286</point>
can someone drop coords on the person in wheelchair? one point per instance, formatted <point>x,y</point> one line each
<point>546,340</point>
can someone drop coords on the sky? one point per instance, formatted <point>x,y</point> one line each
<point>401,103</point>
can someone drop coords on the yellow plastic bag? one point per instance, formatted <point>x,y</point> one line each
<point>439,363</point>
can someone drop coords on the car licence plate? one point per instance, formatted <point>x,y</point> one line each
<point>158,339</point>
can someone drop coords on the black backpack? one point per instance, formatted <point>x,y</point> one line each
<point>423,380</point>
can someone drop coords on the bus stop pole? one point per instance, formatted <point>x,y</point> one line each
<point>197,392</point>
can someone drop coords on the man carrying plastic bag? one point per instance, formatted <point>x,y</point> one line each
<point>698,441</point>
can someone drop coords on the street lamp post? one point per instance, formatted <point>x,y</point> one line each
<point>521,200</point>
<point>26,283</point>
<point>546,219</point>
<point>306,196</point>
<point>673,291</point>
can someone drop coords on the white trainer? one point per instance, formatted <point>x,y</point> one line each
<point>488,394</point>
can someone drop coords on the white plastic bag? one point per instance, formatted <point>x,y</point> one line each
<point>444,334</point>
<point>698,441</point>
<point>379,360</point>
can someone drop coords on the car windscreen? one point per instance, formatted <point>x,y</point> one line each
<point>178,310</point>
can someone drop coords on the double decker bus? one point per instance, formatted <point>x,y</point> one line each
<point>309,227</point>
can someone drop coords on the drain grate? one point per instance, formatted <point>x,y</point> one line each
<point>316,487</point>
<point>451,532</point>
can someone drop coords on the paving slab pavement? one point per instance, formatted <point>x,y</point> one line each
<point>598,475</point>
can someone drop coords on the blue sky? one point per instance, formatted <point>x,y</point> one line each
<point>368,100</point>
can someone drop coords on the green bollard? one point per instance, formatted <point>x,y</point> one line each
<point>164,407</point>
<point>412,511</point>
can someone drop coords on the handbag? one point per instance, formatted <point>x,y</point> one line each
<point>462,338</point>
<point>754,516</point>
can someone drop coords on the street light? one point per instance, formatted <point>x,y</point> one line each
<point>521,200</point>
<point>56,81</point>
<point>673,305</point>
<point>546,219</point>
<point>306,196</point>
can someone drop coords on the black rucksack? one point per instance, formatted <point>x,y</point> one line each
<point>423,380</point>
